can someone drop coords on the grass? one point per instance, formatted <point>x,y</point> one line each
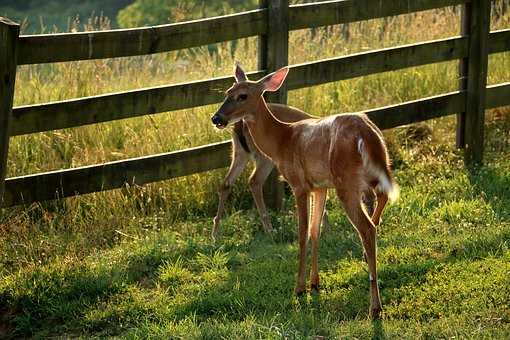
<point>139,263</point>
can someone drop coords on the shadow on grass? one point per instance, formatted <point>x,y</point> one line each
<point>261,286</point>
<point>494,188</point>
<point>378,330</point>
<point>56,297</point>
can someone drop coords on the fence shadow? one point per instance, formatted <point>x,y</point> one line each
<point>494,187</point>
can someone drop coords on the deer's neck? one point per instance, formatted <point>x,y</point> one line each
<point>267,132</point>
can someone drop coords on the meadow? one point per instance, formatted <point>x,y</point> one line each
<point>139,262</point>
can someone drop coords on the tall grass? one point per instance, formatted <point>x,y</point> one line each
<point>75,227</point>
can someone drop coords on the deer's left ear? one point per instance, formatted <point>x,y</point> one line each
<point>273,81</point>
<point>239,73</point>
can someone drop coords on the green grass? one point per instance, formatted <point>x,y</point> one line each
<point>138,262</point>
<point>444,261</point>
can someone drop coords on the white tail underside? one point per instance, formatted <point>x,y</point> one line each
<point>386,185</point>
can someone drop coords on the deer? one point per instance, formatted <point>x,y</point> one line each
<point>344,152</point>
<point>244,149</point>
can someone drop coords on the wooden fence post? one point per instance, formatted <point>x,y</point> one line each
<point>478,18</point>
<point>9,32</point>
<point>273,54</point>
<point>465,24</point>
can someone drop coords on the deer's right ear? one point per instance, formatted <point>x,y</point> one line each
<point>273,81</point>
<point>239,73</point>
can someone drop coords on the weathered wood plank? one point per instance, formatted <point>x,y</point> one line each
<point>477,81</point>
<point>465,24</point>
<point>35,49</point>
<point>70,182</point>
<point>90,110</point>
<point>497,95</point>
<point>338,12</point>
<point>499,41</point>
<point>389,59</point>
<point>9,32</point>
<point>104,108</point>
<point>46,48</point>
<point>37,118</point>
<point>417,110</point>
<point>274,54</point>
<point>112,175</point>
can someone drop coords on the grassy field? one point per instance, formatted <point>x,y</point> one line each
<point>139,263</point>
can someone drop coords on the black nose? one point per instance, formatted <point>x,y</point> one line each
<point>216,119</point>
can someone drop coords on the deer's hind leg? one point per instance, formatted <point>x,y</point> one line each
<point>317,213</point>
<point>263,167</point>
<point>326,225</point>
<point>239,159</point>
<point>382,199</point>
<point>351,199</point>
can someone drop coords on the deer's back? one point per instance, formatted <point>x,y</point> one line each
<point>284,113</point>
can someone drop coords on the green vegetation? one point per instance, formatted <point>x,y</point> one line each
<point>157,12</point>
<point>41,16</point>
<point>47,16</point>
<point>138,262</point>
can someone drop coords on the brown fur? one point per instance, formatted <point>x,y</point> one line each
<point>345,152</point>
<point>243,149</point>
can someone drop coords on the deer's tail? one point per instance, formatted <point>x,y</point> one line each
<point>376,162</point>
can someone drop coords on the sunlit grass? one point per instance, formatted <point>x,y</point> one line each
<point>139,261</point>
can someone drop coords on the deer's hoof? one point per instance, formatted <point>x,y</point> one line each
<point>268,227</point>
<point>299,291</point>
<point>315,287</point>
<point>375,313</point>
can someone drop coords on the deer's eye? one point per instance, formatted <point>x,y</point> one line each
<point>242,97</point>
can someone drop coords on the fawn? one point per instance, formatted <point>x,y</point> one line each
<point>243,148</point>
<point>345,152</point>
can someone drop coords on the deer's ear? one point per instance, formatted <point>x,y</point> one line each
<point>273,81</point>
<point>239,73</point>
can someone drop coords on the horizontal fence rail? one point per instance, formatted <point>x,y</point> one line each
<point>339,12</point>
<point>103,108</point>
<point>47,48</point>
<point>388,59</point>
<point>112,175</point>
<point>498,95</point>
<point>141,41</point>
<point>499,41</point>
<point>37,118</point>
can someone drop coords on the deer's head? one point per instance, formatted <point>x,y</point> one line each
<point>243,97</point>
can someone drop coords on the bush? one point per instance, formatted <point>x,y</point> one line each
<point>156,12</point>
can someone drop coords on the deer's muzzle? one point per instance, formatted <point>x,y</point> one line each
<point>219,121</point>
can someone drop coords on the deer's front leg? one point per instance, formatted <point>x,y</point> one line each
<point>317,211</point>
<point>302,209</point>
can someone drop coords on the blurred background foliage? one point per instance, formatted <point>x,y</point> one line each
<point>155,12</point>
<point>45,16</point>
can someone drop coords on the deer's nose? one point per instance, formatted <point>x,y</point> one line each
<point>216,119</point>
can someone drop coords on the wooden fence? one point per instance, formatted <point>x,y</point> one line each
<point>272,23</point>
